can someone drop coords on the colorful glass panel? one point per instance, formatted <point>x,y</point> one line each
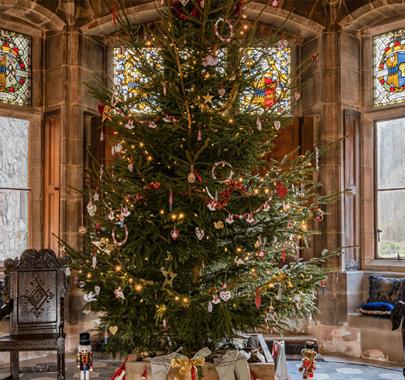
<point>389,68</point>
<point>271,90</point>
<point>15,68</point>
<point>128,79</point>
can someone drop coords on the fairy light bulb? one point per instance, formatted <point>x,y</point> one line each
<point>118,268</point>
<point>89,275</point>
<point>177,298</point>
<point>138,288</point>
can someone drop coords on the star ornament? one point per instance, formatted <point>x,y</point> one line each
<point>106,114</point>
<point>208,99</point>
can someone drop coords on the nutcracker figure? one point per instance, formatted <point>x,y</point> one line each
<point>308,365</point>
<point>85,357</point>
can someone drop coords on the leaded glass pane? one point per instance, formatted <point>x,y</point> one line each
<point>15,68</point>
<point>389,68</point>
<point>271,90</point>
<point>128,78</point>
<point>13,186</point>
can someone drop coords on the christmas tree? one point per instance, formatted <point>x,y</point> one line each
<point>194,231</point>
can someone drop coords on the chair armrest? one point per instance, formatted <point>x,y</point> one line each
<point>6,309</point>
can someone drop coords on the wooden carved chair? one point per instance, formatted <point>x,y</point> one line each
<point>36,286</point>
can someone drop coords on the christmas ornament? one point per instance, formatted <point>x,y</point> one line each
<point>210,307</point>
<point>94,260</point>
<point>210,60</point>
<point>191,178</point>
<point>118,293</point>
<point>208,98</point>
<point>169,278</point>
<point>131,167</point>
<point>123,240</point>
<point>113,330</point>
<point>175,233</point>
<point>171,200</point>
<point>90,297</point>
<point>266,207</point>
<point>199,134</point>
<point>222,164</point>
<point>319,216</point>
<point>91,209</point>
<point>250,219</point>
<point>225,295</point>
<point>130,124</point>
<point>277,125</point>
<point>231,33</point>
<point>258,299</point>
<point>82,284</point>
<point>216,300</point>
<point>282,190</point>
<point>184,12</point>
<point>152,125</point>
<point>230,219</point>
<point>97,290</point>
<point>82,230</point>
<point>282,44</point>
<point>200,233</point>
<point>259,124</point>
<point>106,114</point>
<point>219,225</point>
<point>102,137</point>
<point>222,92</point>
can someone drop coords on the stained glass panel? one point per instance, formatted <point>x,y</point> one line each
<point>127,76</point>
<point>15,68</point>
<point>389,68</point>
<point>270,91</point>
<point>13,187</point>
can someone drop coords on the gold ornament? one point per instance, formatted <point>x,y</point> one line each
<point>113,329</point>
<point>219,225</point>
<point>208,99</point>
<point>169,278</point>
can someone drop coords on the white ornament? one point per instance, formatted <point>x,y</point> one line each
<point>277,125</point>
<point>152,125</point>
<point>119,293</point>
<point>125,212</point>
<point>90,297</point>
<point>266,207</point>
<point>129,125</point>
<point>97,290</point>
<point>216,300</point>
<point>131,167</point>
<point>210,307</point>
<point>250,219</point>
<point>210,60</point>
<point>222,92</point>
<point>200,233</point>
<point>225,295</point>
<point>91,209</point>
<point>259,124</point>
<point>230,219</point>
<point>94,261</point>
<point>175,233</point>
<point>111,215</point>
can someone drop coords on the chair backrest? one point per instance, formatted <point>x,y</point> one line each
<point>36,284</point>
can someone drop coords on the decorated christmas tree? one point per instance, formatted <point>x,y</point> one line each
<point>194,231</point>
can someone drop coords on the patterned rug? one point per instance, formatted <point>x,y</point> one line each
<point>103,369</point>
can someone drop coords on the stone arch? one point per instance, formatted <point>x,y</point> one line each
<point>31,14</point>
<point>373,14</point>
<point>291,23</point>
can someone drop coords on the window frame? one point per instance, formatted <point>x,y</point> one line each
<point>377,190</point>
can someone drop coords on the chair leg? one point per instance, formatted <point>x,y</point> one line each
<point>14,365</point>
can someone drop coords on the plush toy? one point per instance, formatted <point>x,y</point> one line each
<point>85,357</point>
<point>308,365</point>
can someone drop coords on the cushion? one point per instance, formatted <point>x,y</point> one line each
<point>385,289</point>
<point>376,308</point>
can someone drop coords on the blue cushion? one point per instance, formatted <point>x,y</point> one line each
<point>376,308</point>
<point>385,289</point>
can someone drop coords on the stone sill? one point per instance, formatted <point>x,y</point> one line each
<point>385,266</point>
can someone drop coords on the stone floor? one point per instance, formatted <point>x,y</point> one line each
<point>326,370</point>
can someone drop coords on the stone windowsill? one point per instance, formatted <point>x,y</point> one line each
<point>385,266</point>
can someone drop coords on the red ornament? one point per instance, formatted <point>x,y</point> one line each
<point>185,13</point>
<point>152,186</point>
<point>282,190</point>
<point>100,108</point>
<point>284,256</point>
<point>258,300</point>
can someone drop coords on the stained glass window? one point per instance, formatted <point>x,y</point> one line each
<point>389,68</point>
<point>271,90</point>
<point>13,187</point>
<point>127,76</point>
<point>15,68</point>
